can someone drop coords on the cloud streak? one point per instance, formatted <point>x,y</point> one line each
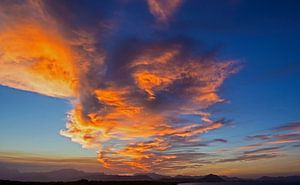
<point>248,158</point>
<point>262,150</point>
<point>289,126</point>
<point>282,135</point>
<point>163,9</point>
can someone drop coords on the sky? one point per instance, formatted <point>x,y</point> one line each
<point>187,87</point>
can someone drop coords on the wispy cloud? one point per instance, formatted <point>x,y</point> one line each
<point>248,158</point>
<point>276,140</point>
<point>262,150</point>
<point>163,9</point>
<point>280,135</point>
<point>261,137</point>
<point>289,126</point>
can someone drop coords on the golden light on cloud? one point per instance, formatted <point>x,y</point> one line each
<point>36,60</point>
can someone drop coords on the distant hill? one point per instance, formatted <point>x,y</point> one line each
<point>76,175</point>
<point>86,182</point>
<point>6,173</point>
<point>154,176</point>
<point>103,177</point>
<point>280,179</point>
<point>71,175</point>
<point>58,175</point>
<point>233,179</point>
<point>212,178</point>
<point>184,178</point>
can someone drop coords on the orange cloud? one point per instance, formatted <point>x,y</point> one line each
<point>42,61</point>
<point>121,113</point>
<point>130,119</point>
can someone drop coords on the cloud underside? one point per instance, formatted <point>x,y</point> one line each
<point>134,107</point>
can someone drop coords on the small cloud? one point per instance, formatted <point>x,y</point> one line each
<point>296,146</point>
<point>270,149</point>
<point>261,137</point>
<point>220,140</point>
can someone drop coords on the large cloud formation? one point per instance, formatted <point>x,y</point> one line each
<point>132,104</point>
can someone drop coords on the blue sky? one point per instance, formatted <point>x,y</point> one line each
<point>261,36</point>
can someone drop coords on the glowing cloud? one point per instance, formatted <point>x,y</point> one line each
<point>36,60</point>
<point>130,110</point>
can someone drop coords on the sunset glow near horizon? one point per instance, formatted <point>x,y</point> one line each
<point>176,87</point>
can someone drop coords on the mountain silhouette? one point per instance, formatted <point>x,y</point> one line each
<point>212,178</point>
<point>57,175</point>
<point>280,179</point>
<point>77,175</point>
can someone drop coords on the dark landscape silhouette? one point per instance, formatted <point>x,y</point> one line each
<point>72,176</point>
